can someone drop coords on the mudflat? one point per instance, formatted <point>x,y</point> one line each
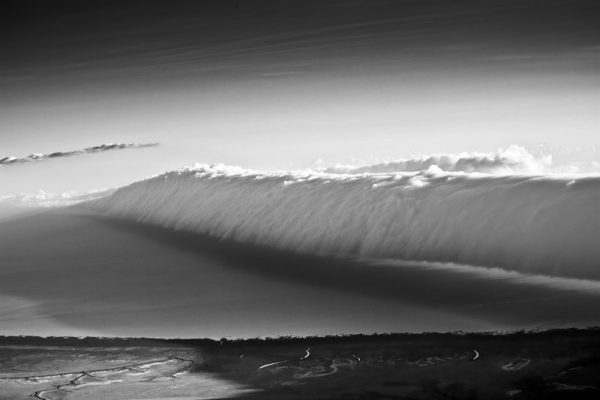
<point>558,364</point>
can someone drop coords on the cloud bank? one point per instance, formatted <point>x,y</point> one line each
<point>514,159</point>
<point>41,198</point>
<point>545,225</point>
<point>89,150</point>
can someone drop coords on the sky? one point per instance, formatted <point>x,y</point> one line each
<point>285,85</point>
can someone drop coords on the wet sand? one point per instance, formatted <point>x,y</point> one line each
<point>68,273</point>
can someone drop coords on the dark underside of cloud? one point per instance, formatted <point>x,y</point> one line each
<point>88,150</point>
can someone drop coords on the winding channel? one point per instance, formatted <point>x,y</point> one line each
<point>77,381</point>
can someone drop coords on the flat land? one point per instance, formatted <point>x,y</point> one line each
<point>561,364</point>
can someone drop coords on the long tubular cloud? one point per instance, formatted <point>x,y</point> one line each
<point>95,149</point>
<point>514,159</point>
<point>533,224</point>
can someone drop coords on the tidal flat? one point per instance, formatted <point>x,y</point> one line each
<point>555,364</point>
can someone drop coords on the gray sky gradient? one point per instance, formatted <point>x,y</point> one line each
<point>271,84</point>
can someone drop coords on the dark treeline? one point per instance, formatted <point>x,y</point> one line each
<point>513,337</point>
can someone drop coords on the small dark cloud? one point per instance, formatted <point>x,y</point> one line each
<point>88,150</point>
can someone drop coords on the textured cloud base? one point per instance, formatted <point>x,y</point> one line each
<point>545,225</point>
<point>89,150</point>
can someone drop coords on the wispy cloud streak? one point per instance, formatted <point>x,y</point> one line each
<point>88,150</point>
